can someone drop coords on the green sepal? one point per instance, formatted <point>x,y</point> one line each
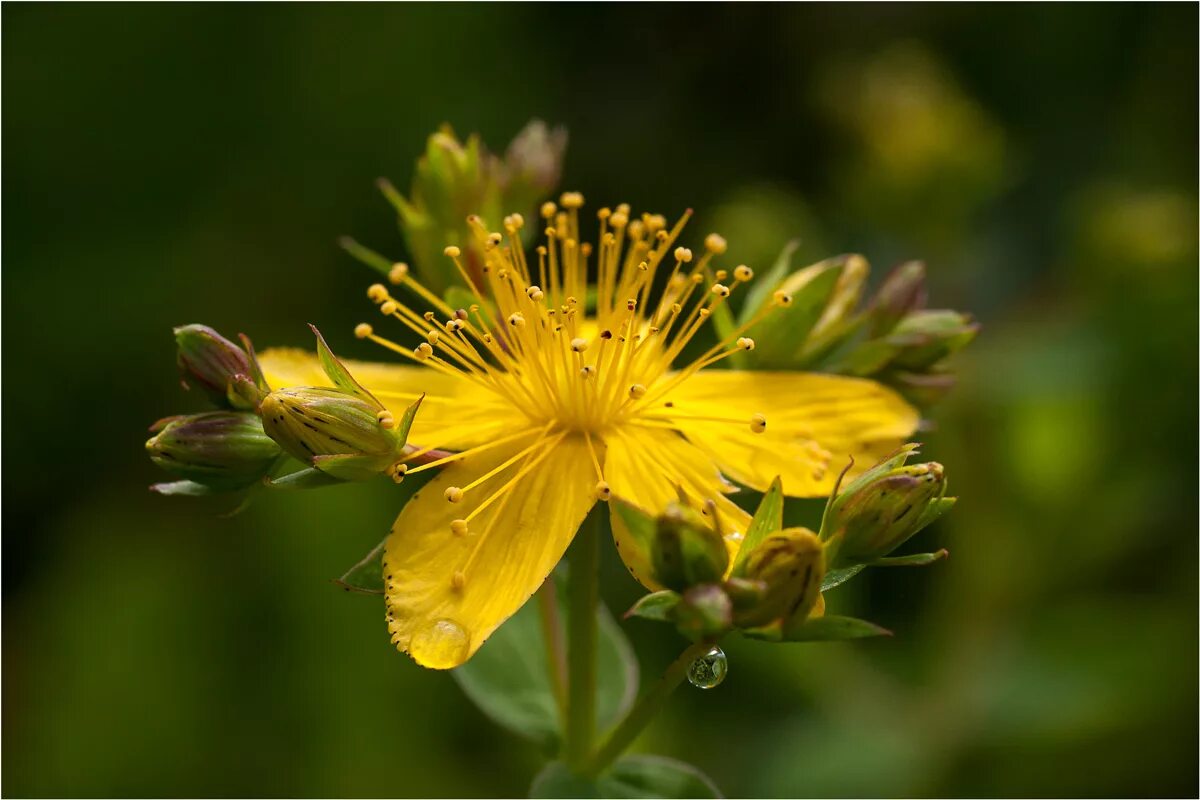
<point>630,776</point>
<point>704,613</point>
<point>934,510</point>
<point>182,489</point>
<point>767,520</point>
<point>348,467</point>
<point>836,577</point>
<point>307,478</point>
<point>365,577</point>
<point>782,336</point>
<point>820,629</point>
<point>656,606</point>
<point>914,560</point>
<point>640,525</point>
<point>365,255</point>
<point>763,287</point>
<point>336,371</point>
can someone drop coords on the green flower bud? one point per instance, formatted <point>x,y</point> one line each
<point>901,292</point>
<point>221,450</point>
<point>337,432</point>
<point>883,508</point>
<point>790,565</point>
<point>227,373</point>
<point>924,338</point>
<point>703,612</point>
<point>687,550</point>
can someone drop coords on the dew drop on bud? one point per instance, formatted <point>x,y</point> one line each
<point>707,671</point>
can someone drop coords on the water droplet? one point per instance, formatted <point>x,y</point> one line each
<point>707,671</point>
<point>440,645</point>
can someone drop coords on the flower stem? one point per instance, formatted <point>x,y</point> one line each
<point>583,596</point>
<point>556,651</point>
<point>643,711</point>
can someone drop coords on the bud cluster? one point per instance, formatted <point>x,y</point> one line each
<point>454,180</point>
<point>772,588</point>
<point>339,432</point>
<point>830,327</point>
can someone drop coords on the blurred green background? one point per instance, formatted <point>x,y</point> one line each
<point>195,163</point>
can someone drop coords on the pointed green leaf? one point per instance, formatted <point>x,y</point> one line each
<point>765,285</point>
<point>632,776</point>
<point>365,577</point>
<point>509,677</point>
<point>915,560</point>
<point>767,519</point>
<point>833,629</point>
<point>837,577</point>
<point>656,606</point>
<point>406,421</point>
<point>307,478</point>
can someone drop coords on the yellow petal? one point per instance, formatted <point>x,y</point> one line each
<point>446,593</point>
<point>814,424</point>
<point>456,414</point>
<point>647,466</point>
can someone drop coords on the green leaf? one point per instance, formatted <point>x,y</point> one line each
<point>632,776</point>
<point>509,677</point>
<point>765,285</point>
<point>782,335</point>
<point>307,478</point>
<point>834,629</point>
<point>406,421</point>
<point>365,577</point>
<point>656,606</point>
<point>767,519</point>
<point>915,560</point>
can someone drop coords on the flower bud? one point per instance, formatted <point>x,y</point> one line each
<point>222,450</point>
<point>703,612</point>
<point>883,508</point>
<point>687,550</point>
<point>901,292</point>
<point>924,338</point>
<point>790,565</point>
<point>326,427</point>
<point>220,368</point>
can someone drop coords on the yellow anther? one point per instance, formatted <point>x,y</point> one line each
<point>550,232</point>
<point>720,289</point>
<point>388,308</point>
<point>377,292</point>
<point>532,290</point>
<point>603,490</point>
<point>604,213</point>
<point>397,471</point>
<point>549,210</point>
<point>362,330</point>
<point>432,337</point>
<point>683,254</point>
<point>745,343</point>
<point>452,251</point>
<point>643,266</point>
<point>637,391</point>
<point>782,298</point>
<point>586,249</point>
<point>398,272</point>
<point>453,494</point>
<point>579,345</point>
<point>453,325</point>
<point>458,527</point>
<point>758,423</point>
<point>423,351</point>
<point>458,580</point>
<point>518,221</point>
<point>428,316</point>
<point>715,243</point>
<point>461,313</point>
<point>631,304</point>
<point>385,419</point>
<point>662,236</point>
<point>721,275</point>
<point>516,319</point>
<point>742,273</point>
<point>571,200</point>
<point>619,220</point>
<point>494,239</point>
<point>586,372</point>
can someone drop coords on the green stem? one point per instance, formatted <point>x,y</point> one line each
<point>643,711</point>
<point>583,596</point>
<point>556,651</point>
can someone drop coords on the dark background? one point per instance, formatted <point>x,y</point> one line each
<point>192,163</point>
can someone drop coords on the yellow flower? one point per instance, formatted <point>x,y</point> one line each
<point>552,394</point>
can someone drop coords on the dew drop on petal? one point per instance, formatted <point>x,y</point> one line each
<point>707,671</point>
<point>443,642</point>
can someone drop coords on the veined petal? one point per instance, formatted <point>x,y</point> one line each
<point>814,424</point>
<point>455,415</point>
<point>647,466</point>
<point>447,591</point>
